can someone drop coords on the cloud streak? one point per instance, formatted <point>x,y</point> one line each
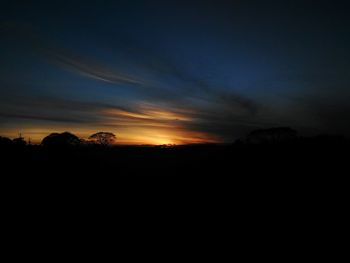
<point>26,38</point>
<point>195,110</point>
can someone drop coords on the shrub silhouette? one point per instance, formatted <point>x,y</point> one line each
<point>64,139</point>
<point>5,142</point>
<point>19,141</point>
<point>103,138</point>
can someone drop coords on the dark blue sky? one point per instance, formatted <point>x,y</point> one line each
<point>174,71</point>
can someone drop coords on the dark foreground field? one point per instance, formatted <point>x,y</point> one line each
<point>297,160</point>
<point>304,174</point>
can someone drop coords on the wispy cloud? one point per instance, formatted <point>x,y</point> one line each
<point>195,108</point>
<point>27,38</point>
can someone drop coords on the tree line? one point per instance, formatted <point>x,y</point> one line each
<point>65,139</point>
<point>271,136</point>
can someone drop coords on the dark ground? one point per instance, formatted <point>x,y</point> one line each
<point>303,160</point>
<point>299,186</point>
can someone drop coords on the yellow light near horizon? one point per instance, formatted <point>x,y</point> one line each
<point>148,125</point>
<point>125,135</point>
<point>160,141</point>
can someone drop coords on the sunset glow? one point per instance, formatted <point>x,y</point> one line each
<point>131,135</point>
<point>173,72</point>
<point>149,126</point>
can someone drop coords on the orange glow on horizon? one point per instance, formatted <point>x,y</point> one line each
<point>150,125</point>
<point>125,135</point>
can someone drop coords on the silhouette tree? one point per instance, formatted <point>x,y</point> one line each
<point>103,138</point>
<point>64,139</point>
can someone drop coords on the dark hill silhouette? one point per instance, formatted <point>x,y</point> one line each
<point>273,135</point>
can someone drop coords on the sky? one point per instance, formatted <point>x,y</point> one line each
<point>173,72</point>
